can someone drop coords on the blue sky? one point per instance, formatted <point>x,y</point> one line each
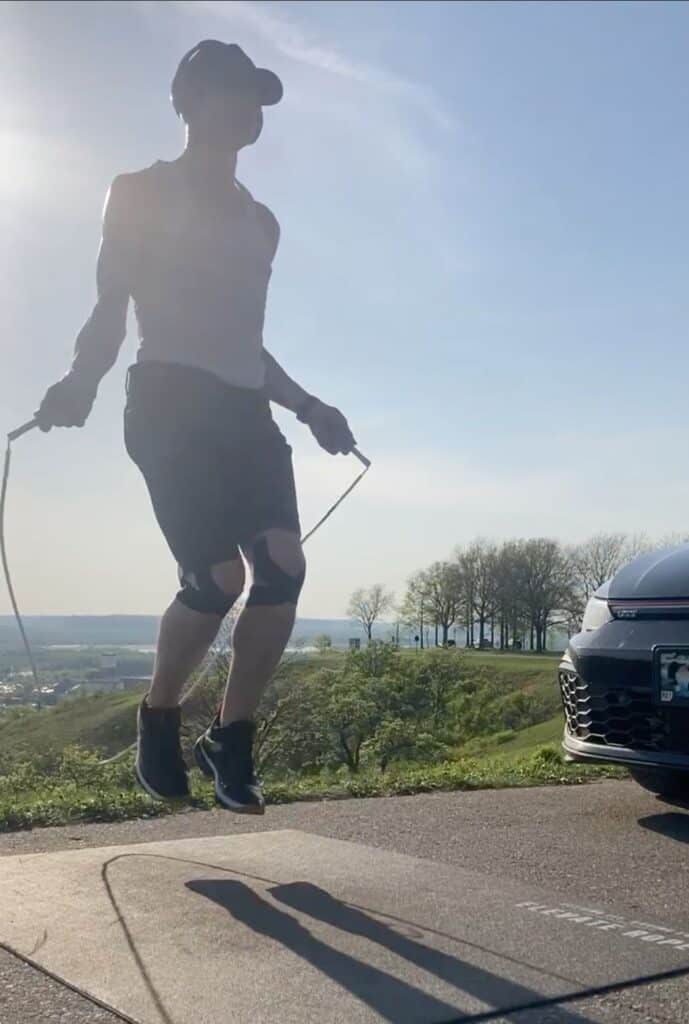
<point>484,214</point>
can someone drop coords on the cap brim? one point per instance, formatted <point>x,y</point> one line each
<point>269,87</point>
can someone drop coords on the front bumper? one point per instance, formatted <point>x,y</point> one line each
<point>578,750</point>
<point>611,715</point>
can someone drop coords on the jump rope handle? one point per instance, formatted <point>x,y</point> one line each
<point>24,429</point>
<point>355,451</point>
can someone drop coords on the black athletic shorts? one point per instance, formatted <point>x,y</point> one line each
<point>217,467</point>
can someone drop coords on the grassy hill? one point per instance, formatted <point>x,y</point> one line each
<point>535,671</point>
<point>104,722</point>
<point>49,773</point>
<point>515,744</point>
<point>107,722</point>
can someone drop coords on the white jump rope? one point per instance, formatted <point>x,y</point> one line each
<point>15,435</point>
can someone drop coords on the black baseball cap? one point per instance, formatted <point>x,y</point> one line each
<point>212,64</point>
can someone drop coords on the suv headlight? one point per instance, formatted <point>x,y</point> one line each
<point>596,615</point>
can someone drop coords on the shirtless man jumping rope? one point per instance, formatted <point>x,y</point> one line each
<point>194,251</point>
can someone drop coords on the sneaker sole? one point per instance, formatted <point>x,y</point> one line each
<point>208,769</point>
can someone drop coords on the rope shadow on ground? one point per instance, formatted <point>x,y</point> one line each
<point>388,996</point>
<point>246,905</point>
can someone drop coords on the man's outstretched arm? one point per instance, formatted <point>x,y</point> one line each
<point>327,424</point>
<point>68,403</point>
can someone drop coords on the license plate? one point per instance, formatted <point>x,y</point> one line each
<point>671,675</point>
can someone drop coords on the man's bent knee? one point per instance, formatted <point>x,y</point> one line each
<point>214,590</point>
<point>279,570</point>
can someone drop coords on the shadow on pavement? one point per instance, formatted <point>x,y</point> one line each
<point>670,824</point>
<point>378,989</point>
<point>384,993</point>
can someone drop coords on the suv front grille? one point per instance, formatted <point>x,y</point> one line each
<point>622,717</point>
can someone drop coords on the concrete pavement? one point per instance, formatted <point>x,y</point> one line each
<point>505,910</point>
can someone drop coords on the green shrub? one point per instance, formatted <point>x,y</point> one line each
<point>373,722</point>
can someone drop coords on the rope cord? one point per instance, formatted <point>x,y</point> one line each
<point>5,566</point>
<point>367,466</point>
<point>15,608</point>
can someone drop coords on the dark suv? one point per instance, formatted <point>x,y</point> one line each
<point>624,678</point>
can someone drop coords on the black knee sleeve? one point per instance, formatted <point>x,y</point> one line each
<point>272,584</point>
<point>201,593</point>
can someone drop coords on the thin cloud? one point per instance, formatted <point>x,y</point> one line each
<point>405,493</point>
<point>292,40</point>
<point>422,481</point>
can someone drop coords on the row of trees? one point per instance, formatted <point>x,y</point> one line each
<point>506,594</point>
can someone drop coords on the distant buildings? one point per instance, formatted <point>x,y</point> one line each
<point>106,679</point>
<point>117,685</point>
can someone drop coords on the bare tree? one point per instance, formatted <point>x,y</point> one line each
<point>547,581</point>
<point>483,558</point>
<point>368,604</point>
<point>415,609</point>
<point>595,562</point>
<point>638,544</point>
<point>468,570</point>
<point>668,540</point>
<point>598,559</point>
<point>509,597</point>
<point>443,588</point>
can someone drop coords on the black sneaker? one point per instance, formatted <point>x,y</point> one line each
<point>225,755</point>
<point>159,765</point>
